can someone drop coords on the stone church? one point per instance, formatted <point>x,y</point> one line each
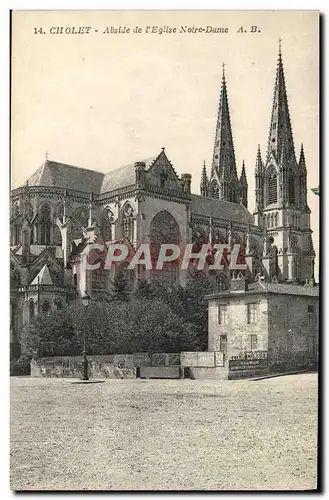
<point>62,208</point>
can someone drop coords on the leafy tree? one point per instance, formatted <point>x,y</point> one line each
<point>120,288</point>
<point>155,319</point>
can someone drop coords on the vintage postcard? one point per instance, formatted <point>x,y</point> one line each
<point>164,250</point>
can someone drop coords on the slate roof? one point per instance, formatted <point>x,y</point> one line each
<point>221,209</point>
<point>36,250</point>
<point>123,176</point>
<point>43,277</point>
<point>272,288</point>
<point>285,289</point>
<point>55,174</point>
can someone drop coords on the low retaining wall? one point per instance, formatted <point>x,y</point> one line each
<point>160,372</point>
<point>217,373</point>
<point>195,365</point>
<point>72,367</point>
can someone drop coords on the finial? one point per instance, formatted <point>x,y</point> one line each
<point>223,66</point>
<point>46,155</point>
<point>163,148</point>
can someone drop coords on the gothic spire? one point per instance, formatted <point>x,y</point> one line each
<point>259,181</point>
<point>302,162</point>
<point>223,156</point>
<point>259,163</point>
<point>280,136</point>
<point>243,177</point>
<point>243,186</point>
<point>204,181</point>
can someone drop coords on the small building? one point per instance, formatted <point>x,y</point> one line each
<point>264,327</point>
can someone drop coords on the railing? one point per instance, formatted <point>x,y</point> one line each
<point>45,288</point>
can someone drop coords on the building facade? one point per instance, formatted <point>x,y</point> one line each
<point>61,209</point>
<point>279,320</point>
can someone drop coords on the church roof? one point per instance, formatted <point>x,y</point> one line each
<point>221,209</point>
<point>55,174</point>
<point>270,288</point>
<point>285,289</point>
<point>122,176</point>
<point>43,277</point>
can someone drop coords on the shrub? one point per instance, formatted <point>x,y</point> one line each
<point>21,366</point>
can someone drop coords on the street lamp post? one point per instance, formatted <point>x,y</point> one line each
<point>85,301</point>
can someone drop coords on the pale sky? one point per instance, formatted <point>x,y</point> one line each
<point>100,101</point>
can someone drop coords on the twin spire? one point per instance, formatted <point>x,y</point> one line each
<point>280,157</point>
<point>223,182</point>
<point>223,161</point>
<point>280,142</point>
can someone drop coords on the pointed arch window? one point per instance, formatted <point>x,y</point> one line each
<point>57,236</point>
<point>291,188</point>
<point>106,225</point>
<point>272,187</point>
<point>58,304</point>
<point>128,222</point>
<point>221,283</point>
<point>45,307</point>
<point>60,211</point>
<point>82,216</point>
<point>15,211</point>
<point>276,219</point>
<point>45,225</point>
<point>214,190</point>
<point>17,234</point>
<point>230,194</point>
<point>31,309</point>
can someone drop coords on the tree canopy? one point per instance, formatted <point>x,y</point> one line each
<point>154,318</point>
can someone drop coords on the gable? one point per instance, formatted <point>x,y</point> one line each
<point>162,174</point>
<point>45,257</point>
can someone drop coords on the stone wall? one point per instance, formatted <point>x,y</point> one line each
<point>293,331</point>
<point>160,372</point>
<point>236,327</point>
<point>105,366</point>
<point>111,366</point>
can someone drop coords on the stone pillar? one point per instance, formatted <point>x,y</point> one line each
<point>25,275</point>
<point>135,226</point>
<point>281,265</point>
<point>65,230</point>
<point>292,266</point>
<point>187,178</point>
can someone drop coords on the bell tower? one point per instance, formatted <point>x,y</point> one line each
<point>281,192</point>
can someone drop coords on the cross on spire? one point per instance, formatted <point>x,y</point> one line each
<point>223,66</point>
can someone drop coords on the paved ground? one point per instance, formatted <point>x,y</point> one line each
<point>186,434</point>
